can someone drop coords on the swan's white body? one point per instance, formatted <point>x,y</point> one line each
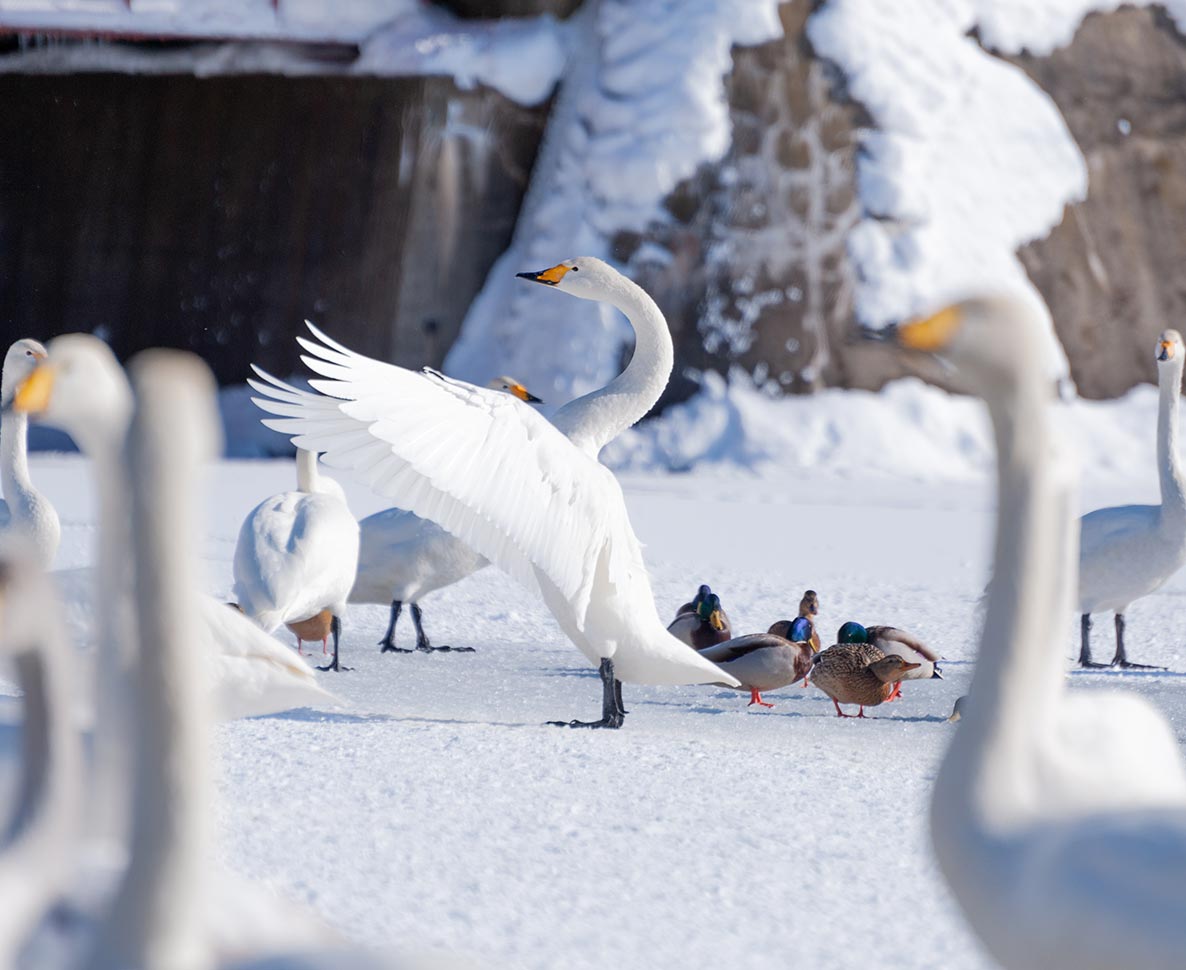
<point>23,510</point>
<point>297,552</point>
<point>528,495</point>
<point>1130,551</point>
<point>1059,822</point>
<point>249,672</point>
<point>404,557</point>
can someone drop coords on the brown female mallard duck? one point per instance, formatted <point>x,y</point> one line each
<point>761,661</point>
<point>704,624</point>
<point>802,628</point>
<point>857,673</point>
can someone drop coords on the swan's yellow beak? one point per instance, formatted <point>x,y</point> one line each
<point>931,333</point>
<point>523,394</point>
<point>33,394</point>
<point>550,276</point>
<point>716,620</point>
<point>1167,350</point>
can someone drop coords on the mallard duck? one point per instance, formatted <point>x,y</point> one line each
<point>892,641</point>
<point>808,610</point>
<point>858,673</point>
<point>761,661</point>
<point>799,630</point>
<point>704,626</point>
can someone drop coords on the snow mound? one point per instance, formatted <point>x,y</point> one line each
<point>908,431</point>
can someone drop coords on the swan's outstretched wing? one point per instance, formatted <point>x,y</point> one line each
<point>483,465</point>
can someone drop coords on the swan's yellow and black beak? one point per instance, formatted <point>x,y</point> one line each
<point>1166,352</point>
<point>523,394</point>
<point>929,334</point>
<point>33,393</point>
<point>549,277</point>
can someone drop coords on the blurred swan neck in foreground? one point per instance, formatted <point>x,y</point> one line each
<point>1019,673</point>
<point>14,459</point>
<point>1169,465</point>
<point>154,920</point>
<point>596,419</point>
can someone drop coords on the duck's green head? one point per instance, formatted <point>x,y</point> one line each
<point>703,593</point>
<point>709,611</point>
<point>852,632</point>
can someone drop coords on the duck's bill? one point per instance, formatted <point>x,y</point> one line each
<point>34,392</point>
<point>716,620</point>
<point>549,277</point>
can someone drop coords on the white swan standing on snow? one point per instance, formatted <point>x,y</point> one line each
<point>1130,551</point>
<point>23,509</point>
<point>81,389</point>
<point>1058,821</point>
<point>296,558</point>
<point>511,485</point>
<point>402,558</point>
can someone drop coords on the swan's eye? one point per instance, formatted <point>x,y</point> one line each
<point>576,269</point>
<point>28,353</point>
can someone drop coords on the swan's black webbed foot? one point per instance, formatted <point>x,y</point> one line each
<point>612,714</point>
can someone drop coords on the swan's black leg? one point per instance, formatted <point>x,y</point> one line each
<point>611,712</point>
<point>1085,643</point>
<point>335,628</point>
<point>388,641</point>
<point>1121,660</point>
<point>424,644</point>
<point>618,697</point>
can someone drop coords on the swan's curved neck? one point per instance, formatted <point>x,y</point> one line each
<point>596,419</point>
<point>154,920</point>
<point>14,460</point>
<point>1169,466</point>
<point>1019,676</point>
<point>308,477</point>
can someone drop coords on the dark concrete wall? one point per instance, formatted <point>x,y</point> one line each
<point>216,214</point>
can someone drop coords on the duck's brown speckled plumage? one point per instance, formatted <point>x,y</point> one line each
<point>842,672</point>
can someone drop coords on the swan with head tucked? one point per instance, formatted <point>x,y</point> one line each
<point>402,558</point>
<point>296,558</point>
<point>527,494</point>
<point>23,509</point>
<point>1129,551</point>
<point>1058,821</point>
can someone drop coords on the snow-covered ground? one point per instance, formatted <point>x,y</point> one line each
<point>434,808</point>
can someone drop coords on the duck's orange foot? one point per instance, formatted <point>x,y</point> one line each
<point>861,712</point>
<point>840,713</point>
<point>755,697</point>
<point>896,693</point>
<point>805,683</point>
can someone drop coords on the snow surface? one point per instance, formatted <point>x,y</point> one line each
<point>435,809</point>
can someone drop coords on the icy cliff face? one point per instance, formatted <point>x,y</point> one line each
<point>640,107</point>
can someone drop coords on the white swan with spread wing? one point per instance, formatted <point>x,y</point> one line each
<point>528,495</point>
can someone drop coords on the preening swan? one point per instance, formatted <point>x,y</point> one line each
<point>402,558</point>
<point>24,510</point>
<point>1058,821</point>
<point>296,558</point>
<point>528,495</point>
<point>1129,551</point>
